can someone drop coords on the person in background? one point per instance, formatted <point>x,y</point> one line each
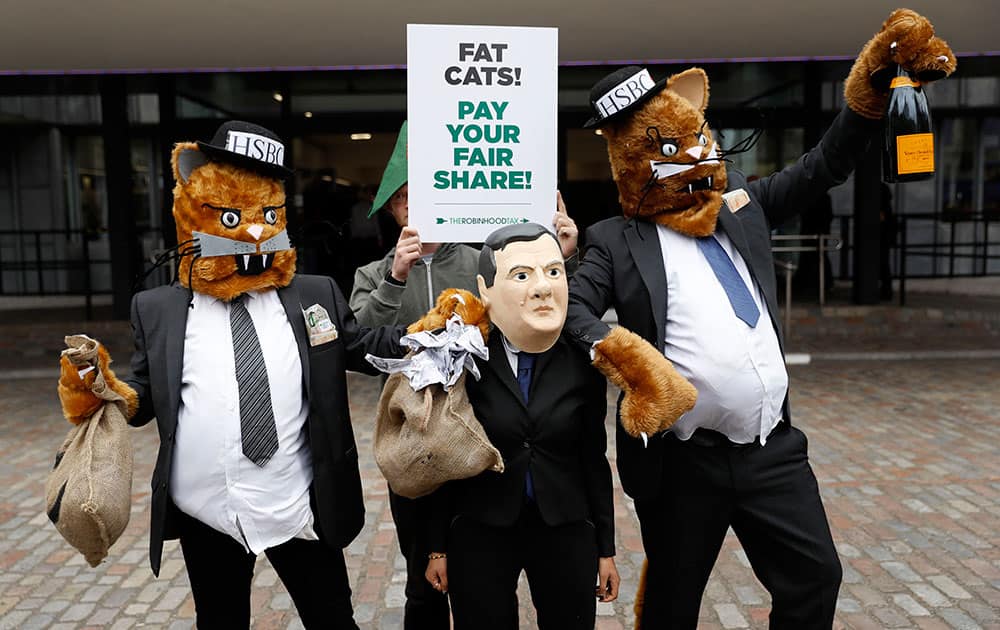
<point>365,240</point>
<point>398,289</point>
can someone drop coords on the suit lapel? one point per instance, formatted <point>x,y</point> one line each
<point>291,300</point>
<point>174,316</point>
<point>733,228</point>
<point>501,367</point>
<point>644,245</point>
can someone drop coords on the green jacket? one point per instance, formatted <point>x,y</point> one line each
<point>378,302</point>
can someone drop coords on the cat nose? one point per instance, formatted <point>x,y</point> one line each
<point>255,231</point>
<point>694,152</point>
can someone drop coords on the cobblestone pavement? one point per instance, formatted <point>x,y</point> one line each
<point>907,454</point>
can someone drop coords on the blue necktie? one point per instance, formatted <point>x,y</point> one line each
<point>525,364</point>
<point>729,278</point>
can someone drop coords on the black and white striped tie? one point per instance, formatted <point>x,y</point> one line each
<point>257,428</point>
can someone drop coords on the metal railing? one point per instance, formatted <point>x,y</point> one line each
<point>944,243</point>
<point>39,262</point>
<point>822,243</point>
<point>56,263</point>
<point>789,270</point>
<point>977,249</point>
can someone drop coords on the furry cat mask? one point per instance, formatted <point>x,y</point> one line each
<point>229,208</point>
<point>664,158</point>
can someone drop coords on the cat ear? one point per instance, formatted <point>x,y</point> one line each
<point>692,85</point>
<point>185,158</point>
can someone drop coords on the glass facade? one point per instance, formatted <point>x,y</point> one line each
<point>56,234</point>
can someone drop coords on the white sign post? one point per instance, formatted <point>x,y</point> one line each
<point>481,104</point>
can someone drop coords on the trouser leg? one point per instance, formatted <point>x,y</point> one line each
<point>484,563</point>
<point>682,529</point>
<point>426,608</point>
<point>782,526</point>
<point>316,578</point>
<point>220,572</point>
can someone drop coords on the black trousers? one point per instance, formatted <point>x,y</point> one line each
<point>484,564</point>
<point>220,572</point>
<point>770,498</point>
<point>426,608</point>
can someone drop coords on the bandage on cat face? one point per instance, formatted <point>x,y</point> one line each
<point>665,160</point>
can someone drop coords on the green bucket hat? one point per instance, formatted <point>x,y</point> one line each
<point>395,173</point>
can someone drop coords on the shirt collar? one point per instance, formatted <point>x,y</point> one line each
<point>204,297</point>
<point>508,346</point>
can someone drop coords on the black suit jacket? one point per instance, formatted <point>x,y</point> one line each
<point>559,434</point>
<point>159,320</point>
<point>623,265</point>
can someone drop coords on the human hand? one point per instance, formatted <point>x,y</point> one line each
<point>437,573</point>
<point>607,580</point>
<point>565,228</point>
<point>408,250</point>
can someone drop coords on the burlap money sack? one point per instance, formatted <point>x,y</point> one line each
<point>88,493</point>
<point>425,438</point>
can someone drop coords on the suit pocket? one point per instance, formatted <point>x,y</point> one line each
<point>325,347</point>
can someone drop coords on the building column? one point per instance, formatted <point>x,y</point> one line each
<point>867,191</point>
<point>167,136</point>
<point>125,263</point>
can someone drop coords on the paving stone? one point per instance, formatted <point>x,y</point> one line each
<point>909,605</point>
<point>36,622</point>
<point>102,617</point>
<point>915,514</point>
<point>901,571</point>
<point>930,595</point>
<point>281,601</point>
<point>949,587</point>
<point>890,618</point>
<point>958,619</point>
<point>730,616</point>
<point>848,605</point>
<point>77,612</point>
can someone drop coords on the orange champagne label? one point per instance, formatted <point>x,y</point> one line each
<point>915,153</point>
<point>904,82</point>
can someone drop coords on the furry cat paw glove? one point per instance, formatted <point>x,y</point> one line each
<point>655,394</point>
<point>76,383</point>
<point>454,301</point>
<point>907,39</point>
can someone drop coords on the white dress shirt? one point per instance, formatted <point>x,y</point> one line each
<point>739,371</point>
<point>511,351</point>
<point>211,479</point>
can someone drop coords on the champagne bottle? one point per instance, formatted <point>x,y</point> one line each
<point>908,145</point>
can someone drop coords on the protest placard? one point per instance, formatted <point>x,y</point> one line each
<point>481,104</point>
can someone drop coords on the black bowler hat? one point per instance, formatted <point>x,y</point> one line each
<point>619,92</point>
<point>248,146</point>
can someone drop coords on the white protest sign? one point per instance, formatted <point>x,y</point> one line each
<point>481,104</point>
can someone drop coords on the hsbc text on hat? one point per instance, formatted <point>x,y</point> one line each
<point>255,146</point>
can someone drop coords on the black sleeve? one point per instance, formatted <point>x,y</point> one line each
<point>139,379</point>
<point>436,511</point>
<point>600,491</point>
<point>359,341</point>
<point>590,292</point>
<point>794,189</point>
